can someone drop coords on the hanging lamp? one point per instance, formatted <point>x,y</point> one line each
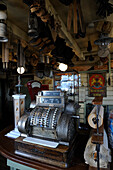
<point>32,25</point>
<point>20,59</point>
<point>3,25</point>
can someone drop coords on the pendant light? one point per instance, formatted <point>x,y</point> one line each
<point>32,25</point>
<point>21,59</point>
<point>103,40</point>
<point>63,67</point>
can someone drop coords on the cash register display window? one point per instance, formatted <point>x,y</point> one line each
<point>51,100</point>
<point>51,93</point>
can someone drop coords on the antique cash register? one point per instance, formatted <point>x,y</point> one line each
<point>48,130</point>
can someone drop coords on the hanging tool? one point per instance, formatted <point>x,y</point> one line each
<point>109,80</point>
<point>5,55</point>
<point>75,25</point>
<point>75,13</point>
<point>69,17</point>
<point>19,84</point>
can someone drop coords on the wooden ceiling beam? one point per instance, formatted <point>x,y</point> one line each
<point>17,31</point>
<point>22,35</point>
<point>86,63</point>
<point>73,44</point>
<point>93,52</point>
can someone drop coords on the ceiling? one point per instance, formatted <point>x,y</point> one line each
<point>92,25</point>
<point>17,12</point>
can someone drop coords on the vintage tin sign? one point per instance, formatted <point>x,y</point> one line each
<point>97,85</point>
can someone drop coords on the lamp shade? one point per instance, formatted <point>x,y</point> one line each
<point>63,67</point>
<point>20,70</point>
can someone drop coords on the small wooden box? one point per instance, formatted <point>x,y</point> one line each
<point>60,156</point>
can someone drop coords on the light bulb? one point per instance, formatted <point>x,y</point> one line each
<point>20,70</point>
<point>63,67</point>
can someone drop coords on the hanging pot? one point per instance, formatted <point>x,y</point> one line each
<point>47,71</point>
<point>40,74</point>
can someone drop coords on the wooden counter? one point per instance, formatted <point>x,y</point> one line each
<point>7,150</point>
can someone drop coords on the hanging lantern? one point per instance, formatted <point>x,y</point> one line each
<point>103,40</point>
<point>5,55</point>
<point>3,26</point>
<point>32,25</point>
<point>21,59</point>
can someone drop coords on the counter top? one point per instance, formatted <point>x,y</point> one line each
<point>7,150</point>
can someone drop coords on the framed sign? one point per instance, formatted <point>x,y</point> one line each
<point>97,85</point>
